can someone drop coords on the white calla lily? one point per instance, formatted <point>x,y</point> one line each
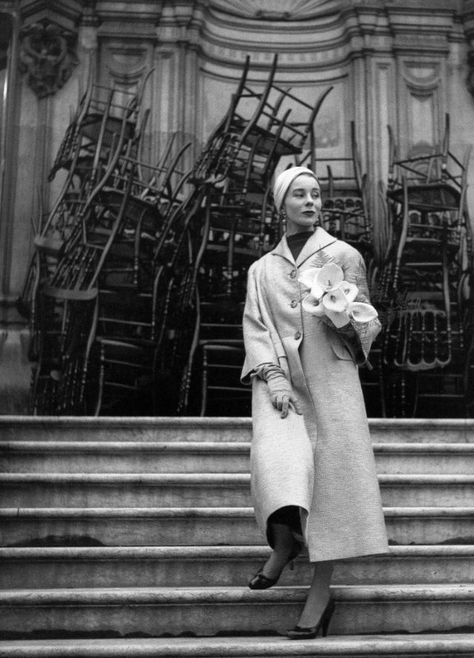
<point>350,290</point>
<point>307,277</point>
<point>328,277</point>
<point>361,312</point>
<point>335,301</point>
<point>312,305</point>
<point>338,318</point>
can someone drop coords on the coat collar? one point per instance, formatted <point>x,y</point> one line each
<point>315,242</point>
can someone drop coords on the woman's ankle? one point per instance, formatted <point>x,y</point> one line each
<point>276,562</point>
<point>312,612</point>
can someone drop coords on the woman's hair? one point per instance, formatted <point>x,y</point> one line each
<point>284,180</point>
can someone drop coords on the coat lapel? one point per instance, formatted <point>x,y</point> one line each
<point>317,241</point>
<point>282,249</point>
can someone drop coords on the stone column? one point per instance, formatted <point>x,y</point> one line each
<point>41,59</point>
<point>14,367</point>
<point>8,171</point>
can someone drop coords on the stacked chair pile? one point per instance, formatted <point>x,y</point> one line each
<point>427,343</point>
<point>237,165</point>
<point>106,261</point>
<point>136,288</point>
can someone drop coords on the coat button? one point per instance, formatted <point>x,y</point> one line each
<point>297,335</point>
<point>294,303</point>
<point>293,274</point>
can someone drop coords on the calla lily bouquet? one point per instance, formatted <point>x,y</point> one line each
<point>333,297</point>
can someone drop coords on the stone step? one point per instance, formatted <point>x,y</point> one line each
<point>126,456</point>
<point>115,428</point>
<point>410,457</point>
<point>194,566</point>
<point>154,526</point>
<point>206,611</point>
<point>210,456</point>
<point>77,428</point>
<point>446,645</point>
<point>211,489</point>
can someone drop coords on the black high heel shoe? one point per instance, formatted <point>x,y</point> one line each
<point>310,632</point>
<point>260,581</point>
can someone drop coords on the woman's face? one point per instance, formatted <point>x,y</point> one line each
<point>302,204</point>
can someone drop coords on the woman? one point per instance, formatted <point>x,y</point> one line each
<point>313,477</point>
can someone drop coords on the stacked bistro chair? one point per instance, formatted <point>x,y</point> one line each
<point>104,114</point>
<point>236,166</point>
<point>130,298</point>
<point>427,345</point>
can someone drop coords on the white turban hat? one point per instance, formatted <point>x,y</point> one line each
<point>284,180</point>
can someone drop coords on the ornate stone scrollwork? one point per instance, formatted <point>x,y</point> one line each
<point>47,56</point>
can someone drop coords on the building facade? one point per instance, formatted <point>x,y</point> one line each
<point>398,63</point>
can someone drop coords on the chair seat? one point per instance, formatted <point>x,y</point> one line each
<point>72,294</point>
<point>222,344</point>
<point>428,196</point>
<point>265,141</point>
<point>136,208</point>
<point>113,126</point>
<point>49,245</point>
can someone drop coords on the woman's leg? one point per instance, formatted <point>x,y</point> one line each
<point>318,594</point>
<point>283,524</point>
<point>283,544</point>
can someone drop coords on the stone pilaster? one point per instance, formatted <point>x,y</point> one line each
<point>468,23</point>
<point>175,78</point>
<point>14,367</point>
<point>9,133</point>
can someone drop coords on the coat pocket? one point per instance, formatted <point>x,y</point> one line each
<point>340,349</point>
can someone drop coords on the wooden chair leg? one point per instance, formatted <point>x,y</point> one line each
<point>204,382</point>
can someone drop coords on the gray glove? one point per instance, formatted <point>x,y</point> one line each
<point>281,393</point>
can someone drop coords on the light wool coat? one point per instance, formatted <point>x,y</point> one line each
<point>321,461</point>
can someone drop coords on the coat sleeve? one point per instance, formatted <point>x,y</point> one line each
<point>358,336</point>
<point>259,346</point>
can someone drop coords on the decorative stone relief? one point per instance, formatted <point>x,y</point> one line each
<point>47,56</point>
<point>125,64</point>
<point>423,81</point>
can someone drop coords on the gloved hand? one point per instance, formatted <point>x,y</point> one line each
<point>281,394</point>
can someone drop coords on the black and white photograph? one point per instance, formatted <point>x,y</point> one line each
<point>236,328</point>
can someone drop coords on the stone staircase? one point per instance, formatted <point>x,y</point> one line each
<point>135,537</point>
